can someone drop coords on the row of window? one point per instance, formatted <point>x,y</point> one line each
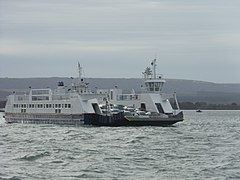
<point>40,91</point>
<point>40,98</point>
<point>128,97</point>
<point>42,106</point>
<point>56,110</point>
<point>153,86</point>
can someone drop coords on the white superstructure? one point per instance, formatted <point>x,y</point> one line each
<point>151,99</point>
<point>59,106</point>
<point>78,105</point>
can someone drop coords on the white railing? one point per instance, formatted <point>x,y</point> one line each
<point>128,97</point>
<point>158,76</point>
<point>166,96</point>
<point>61,97</point>
<point>21,97</point>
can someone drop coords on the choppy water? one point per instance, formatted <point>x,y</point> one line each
<point>205,146</point>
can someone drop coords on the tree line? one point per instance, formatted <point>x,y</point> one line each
<point>206,106</point>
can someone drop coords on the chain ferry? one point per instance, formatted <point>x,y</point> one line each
<point>79,106</point>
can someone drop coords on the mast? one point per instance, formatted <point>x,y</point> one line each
<point>79,71</point>
<point>154,67</point>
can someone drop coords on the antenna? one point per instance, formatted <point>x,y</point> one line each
<point>79,71</point>
<point>154,67</point>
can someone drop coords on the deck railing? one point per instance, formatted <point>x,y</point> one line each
<point>128,97</point>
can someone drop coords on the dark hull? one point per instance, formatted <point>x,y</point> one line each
<point>121,120</point>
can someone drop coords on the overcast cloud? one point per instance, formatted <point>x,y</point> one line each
<point>118,38</point>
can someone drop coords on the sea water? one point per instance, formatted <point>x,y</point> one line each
<point>204,146</point>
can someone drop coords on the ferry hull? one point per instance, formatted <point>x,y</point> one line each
<point>61,119</point>
<point>91,119</point>
<point>121,120</point>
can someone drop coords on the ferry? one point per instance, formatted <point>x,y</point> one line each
<point>59,106</point>
<point>79,106</point>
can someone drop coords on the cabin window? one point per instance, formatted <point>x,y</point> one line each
<point>20,98</point>
<point>123,97</point>
<point>130,97</point>
<point>151,86</point>
<point>147,86</point>
<point>38,92</point>
<point>69,105</point>
<point>40,98</point>
<point>157,86</point>
<point>57,110</point>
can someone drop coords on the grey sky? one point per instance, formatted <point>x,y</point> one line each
<point>118,38</point>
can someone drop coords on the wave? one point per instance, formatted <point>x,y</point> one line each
<point>35,157</point>
<point>3,177</point>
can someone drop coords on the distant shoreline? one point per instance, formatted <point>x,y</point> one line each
<point>187,106</point>
<point>206,106</point>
